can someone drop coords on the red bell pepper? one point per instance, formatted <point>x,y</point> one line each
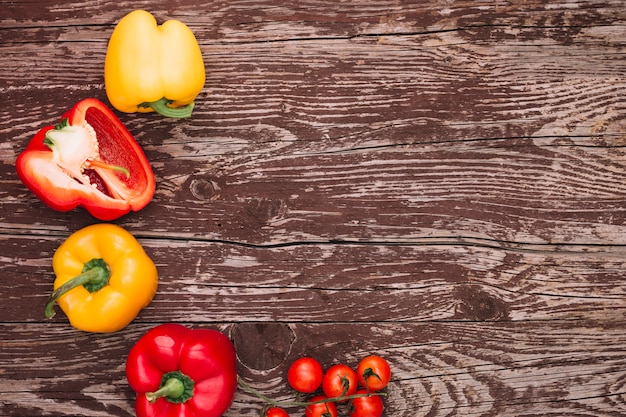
<point>89,159</point>
<point>182,372</point>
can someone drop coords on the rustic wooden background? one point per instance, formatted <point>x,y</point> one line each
<point>438,182</point>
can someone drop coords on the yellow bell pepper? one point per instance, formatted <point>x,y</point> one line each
<point>103,278</point>
<point>150,67</point>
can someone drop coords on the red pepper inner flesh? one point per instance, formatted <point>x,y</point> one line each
<point>114,150</point>
<point>96,181</point>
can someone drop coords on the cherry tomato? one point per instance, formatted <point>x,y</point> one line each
<point>305,375</point>
<point>374,373</point>
<point>339,380</point>
<point>370,406</point>
<point>321,409</point>
<point>276,412</point>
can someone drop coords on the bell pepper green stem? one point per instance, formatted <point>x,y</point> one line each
<point>94,276</point>
<point>175,387</point>
<point>161,107</point>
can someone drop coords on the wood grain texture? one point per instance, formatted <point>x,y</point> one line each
<point>438,182</point>
<point>439,368</point>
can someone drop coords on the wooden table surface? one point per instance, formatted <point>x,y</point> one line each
<point>441,183</point>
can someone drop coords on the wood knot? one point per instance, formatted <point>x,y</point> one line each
<point>476,304</point>
<point>267,211</point>
<point>205,189</point>
<point>262,346</point>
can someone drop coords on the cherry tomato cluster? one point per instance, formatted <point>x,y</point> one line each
<point>340,384</point>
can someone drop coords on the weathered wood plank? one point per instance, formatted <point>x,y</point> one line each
<point>438,368</point>
<point>207,282</point>
<point>263,20</point>
<point>505,193</point>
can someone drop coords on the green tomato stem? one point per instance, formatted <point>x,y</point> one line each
<point>285,404</point>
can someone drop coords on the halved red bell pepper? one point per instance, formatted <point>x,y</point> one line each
<point>89,159</point>
<point>181,372</point>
